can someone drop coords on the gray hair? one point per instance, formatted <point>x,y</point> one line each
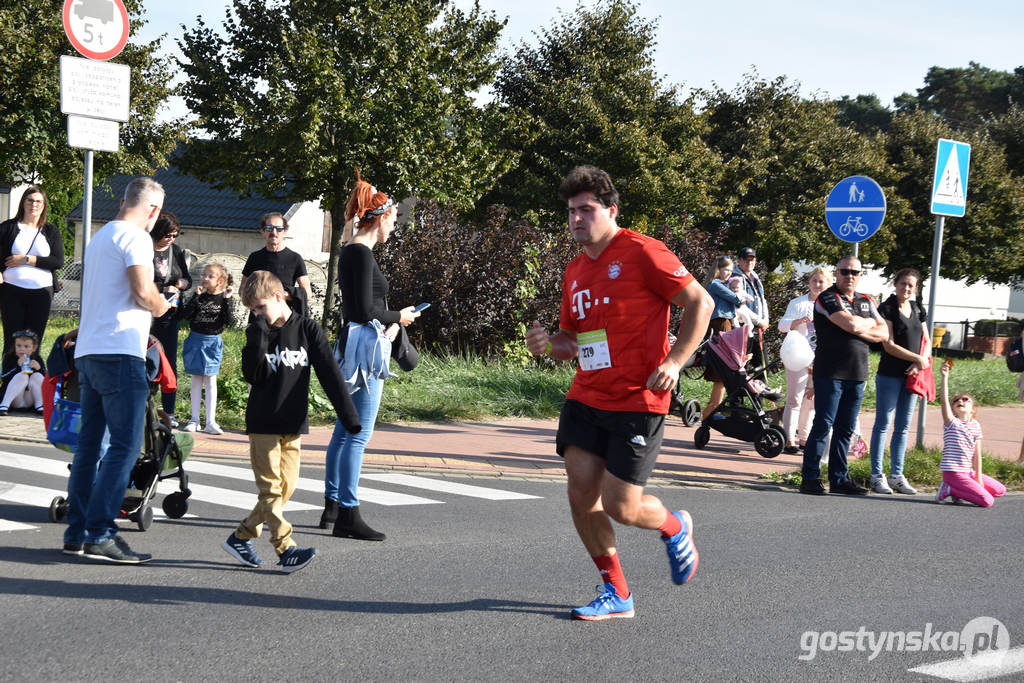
<point>143,190</point>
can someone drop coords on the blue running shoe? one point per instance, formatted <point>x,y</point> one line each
<point>243,551</point>
<point>607,605</point>
<point>682,553</point>
<point>294,559</point>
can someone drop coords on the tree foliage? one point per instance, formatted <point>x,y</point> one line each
<point>782,155</point>
<point>587,92</point>
<point>33,138</point>
<point>988,242</point>
<point>296,94</point>
<point>966,96</point>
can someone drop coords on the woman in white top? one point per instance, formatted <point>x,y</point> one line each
<point>799,319</point>
<point>30,251</point>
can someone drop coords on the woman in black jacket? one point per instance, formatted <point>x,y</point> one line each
<point>170,272</point>
<point>30,251</point>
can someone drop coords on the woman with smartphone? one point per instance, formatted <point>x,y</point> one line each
<point>370,218</point>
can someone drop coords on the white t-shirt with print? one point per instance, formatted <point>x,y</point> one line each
<point>112,322</point>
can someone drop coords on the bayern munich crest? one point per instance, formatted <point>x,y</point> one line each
<point>614,270</point>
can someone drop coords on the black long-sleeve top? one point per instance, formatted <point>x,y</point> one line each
<point>207,313</point>
<point>50,232</point>
<point>364,289</point>
<point>276,361</point>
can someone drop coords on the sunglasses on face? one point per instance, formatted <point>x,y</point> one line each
<point>274,228</point>
<point>849,271</point>
<point>962,398</point>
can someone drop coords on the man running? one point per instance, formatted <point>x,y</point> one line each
<point>616,299</point>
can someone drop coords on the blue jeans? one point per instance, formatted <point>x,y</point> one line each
<point>345,451</point>
<point>836,406</point>
<point>113,396</point>
<point>891,395</point>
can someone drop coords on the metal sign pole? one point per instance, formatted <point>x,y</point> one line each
<point>856,250</point>
<point>940,223</point>
<point>86,226</point>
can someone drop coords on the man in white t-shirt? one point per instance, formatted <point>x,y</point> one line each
<point>118,302</point>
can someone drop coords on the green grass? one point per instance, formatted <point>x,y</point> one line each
<point>921,467</point>
<point>453,387</point>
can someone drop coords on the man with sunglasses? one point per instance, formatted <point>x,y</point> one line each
<point>287,265</point>
<point>845,322</point>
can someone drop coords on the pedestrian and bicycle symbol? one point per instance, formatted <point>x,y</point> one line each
<point>855,208</point>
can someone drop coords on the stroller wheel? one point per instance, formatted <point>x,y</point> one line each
<point>701,437</point>
<point>175,505</point>
<point>58,509</point>
<point>770,442</point>
<point>691,412</point>
<point>144,517</point>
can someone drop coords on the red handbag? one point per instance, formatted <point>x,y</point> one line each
<point>922,382</point>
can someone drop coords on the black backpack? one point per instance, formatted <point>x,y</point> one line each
<point>1015,355</point>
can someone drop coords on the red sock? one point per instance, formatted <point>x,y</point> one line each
<point>671,526</point>
<point>611,572</point>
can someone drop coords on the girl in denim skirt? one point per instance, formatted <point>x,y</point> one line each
<point>208,313</point>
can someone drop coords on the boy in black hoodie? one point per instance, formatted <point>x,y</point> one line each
<point>280,345</point>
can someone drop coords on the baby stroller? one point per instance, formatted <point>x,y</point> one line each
<point>741,413</point>
<point>163,451</point>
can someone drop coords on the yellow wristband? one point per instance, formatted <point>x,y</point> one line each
<point>547,349</point>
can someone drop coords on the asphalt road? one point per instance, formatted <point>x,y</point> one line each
<point>477,589</point>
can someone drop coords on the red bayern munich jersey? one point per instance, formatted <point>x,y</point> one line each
<point>625,292</point>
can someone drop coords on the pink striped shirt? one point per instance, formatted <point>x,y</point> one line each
<point>958,440</point>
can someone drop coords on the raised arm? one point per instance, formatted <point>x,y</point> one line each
<point>947,412</point>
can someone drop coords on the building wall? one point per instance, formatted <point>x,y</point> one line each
<point>305,236</point>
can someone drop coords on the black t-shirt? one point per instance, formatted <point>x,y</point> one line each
<point>839,354</point>
<point>906,332</point>
<point>285,264</point>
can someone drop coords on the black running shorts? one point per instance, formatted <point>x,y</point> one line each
<point>627,442</point>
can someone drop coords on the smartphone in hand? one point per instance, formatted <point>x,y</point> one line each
<point>421,307</point>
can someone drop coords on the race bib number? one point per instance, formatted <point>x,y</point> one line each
<point>593,350</point>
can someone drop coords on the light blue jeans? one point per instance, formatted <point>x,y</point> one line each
<point>113,395</point>
<point>891,396</point>
<point>345,451</point>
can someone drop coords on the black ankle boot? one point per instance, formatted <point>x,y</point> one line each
<point>351,525</point>
<point>330,514</point>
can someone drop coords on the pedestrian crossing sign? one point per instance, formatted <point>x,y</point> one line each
<point>949,188</point>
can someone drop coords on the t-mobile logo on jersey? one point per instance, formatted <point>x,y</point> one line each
<point>581,302</point>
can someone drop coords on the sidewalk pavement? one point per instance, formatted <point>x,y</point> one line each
<point>526,448</point>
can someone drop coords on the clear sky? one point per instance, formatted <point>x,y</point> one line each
<point>832,48</point>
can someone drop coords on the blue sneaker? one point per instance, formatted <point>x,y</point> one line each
<point>243,551</point>
<point>607,605</point>
<point>682,553</point>
<point>295,559</point>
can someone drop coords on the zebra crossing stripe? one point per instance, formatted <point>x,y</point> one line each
<point>8,525</point>
<point>34,463</point>
<point>37,496</point>
<point>314,485</point>
<point>444,486</point>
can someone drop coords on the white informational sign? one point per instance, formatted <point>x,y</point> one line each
<point>99,90</point>
<point>98,135</point>
<point>98,29</point>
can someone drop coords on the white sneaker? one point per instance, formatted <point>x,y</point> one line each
<point>899,484</point>
<point>213,428</point>
<point>878,484</point>
<point>192,427</point>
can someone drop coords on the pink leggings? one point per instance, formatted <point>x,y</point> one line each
<point>962,485</point>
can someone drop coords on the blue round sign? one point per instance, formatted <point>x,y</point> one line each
<point>855,208</point>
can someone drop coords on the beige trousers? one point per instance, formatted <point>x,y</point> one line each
<point>275,464</point>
